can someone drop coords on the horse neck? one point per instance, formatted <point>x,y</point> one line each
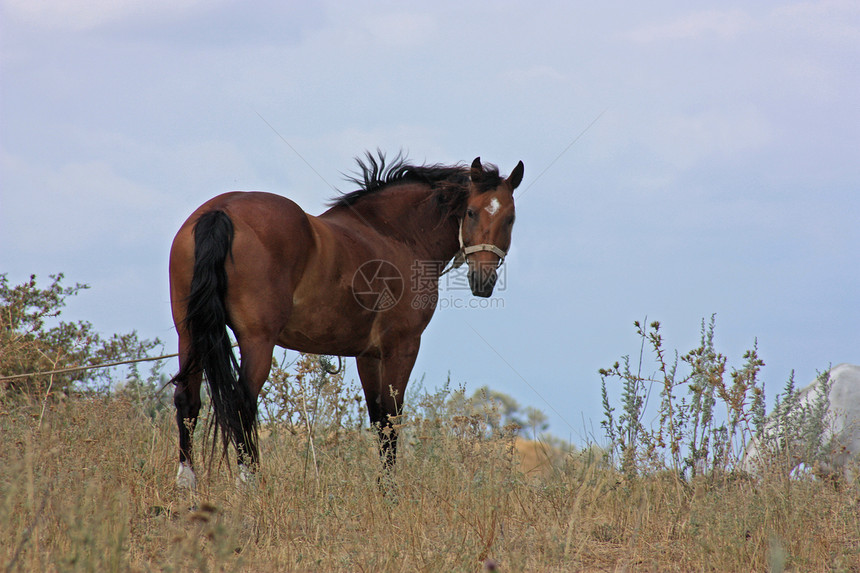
<point>441,241</point>
<point>413,216</point>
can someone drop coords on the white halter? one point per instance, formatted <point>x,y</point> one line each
<point>465,251</point>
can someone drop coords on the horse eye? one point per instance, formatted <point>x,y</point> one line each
<point>470,213</point>
<point>510,221</point>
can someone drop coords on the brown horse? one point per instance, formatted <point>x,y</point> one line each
<point>347,283</point>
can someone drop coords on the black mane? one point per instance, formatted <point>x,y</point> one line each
<point>450,181</point>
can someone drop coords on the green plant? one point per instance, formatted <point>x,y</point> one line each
<point>33,339</point>
<point>307,396</point>
<point>794,434</point>
<point>691,436</point>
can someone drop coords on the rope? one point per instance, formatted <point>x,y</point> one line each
<point>92,367</point>
<point>332,372</point>
<point>120,363</point>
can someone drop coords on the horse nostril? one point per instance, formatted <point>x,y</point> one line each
<point>482,281</point>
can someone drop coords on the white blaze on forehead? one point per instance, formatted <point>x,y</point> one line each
<point>493,207</point>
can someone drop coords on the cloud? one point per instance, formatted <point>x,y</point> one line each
<point>659,147</point>
<point>82,16</point>
<point>834,21</point>
<point>536,73</point>
<point>723,24</point>
<point>689,139</point>
<point>76,206</point>
<point>401,30</point>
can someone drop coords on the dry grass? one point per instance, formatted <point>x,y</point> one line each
<point>91,489</point>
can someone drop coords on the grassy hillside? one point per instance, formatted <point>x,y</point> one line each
<point>88,485</point>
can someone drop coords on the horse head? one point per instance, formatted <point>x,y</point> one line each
<point>485,230</point>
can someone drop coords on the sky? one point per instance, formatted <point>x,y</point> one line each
<point>681,161</point>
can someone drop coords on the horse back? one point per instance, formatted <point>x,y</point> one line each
<point>290,276</point>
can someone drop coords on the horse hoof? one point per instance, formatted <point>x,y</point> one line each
<point>246,478</point>
<point>185,478</point>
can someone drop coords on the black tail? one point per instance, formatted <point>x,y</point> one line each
<point>211,351</point>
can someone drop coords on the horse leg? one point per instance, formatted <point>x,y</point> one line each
<point>254,370</point>
<point>384,381</point>
<point>369,369</point>
<point>186,398</point>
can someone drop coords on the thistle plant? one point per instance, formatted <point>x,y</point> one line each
<point>690,436</point>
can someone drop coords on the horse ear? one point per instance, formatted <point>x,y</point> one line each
<point>516,176</point>
<point>477,171</point>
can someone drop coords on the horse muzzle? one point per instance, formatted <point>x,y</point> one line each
<point>482,279</point>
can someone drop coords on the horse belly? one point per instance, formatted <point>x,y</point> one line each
<point>326,327</point>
